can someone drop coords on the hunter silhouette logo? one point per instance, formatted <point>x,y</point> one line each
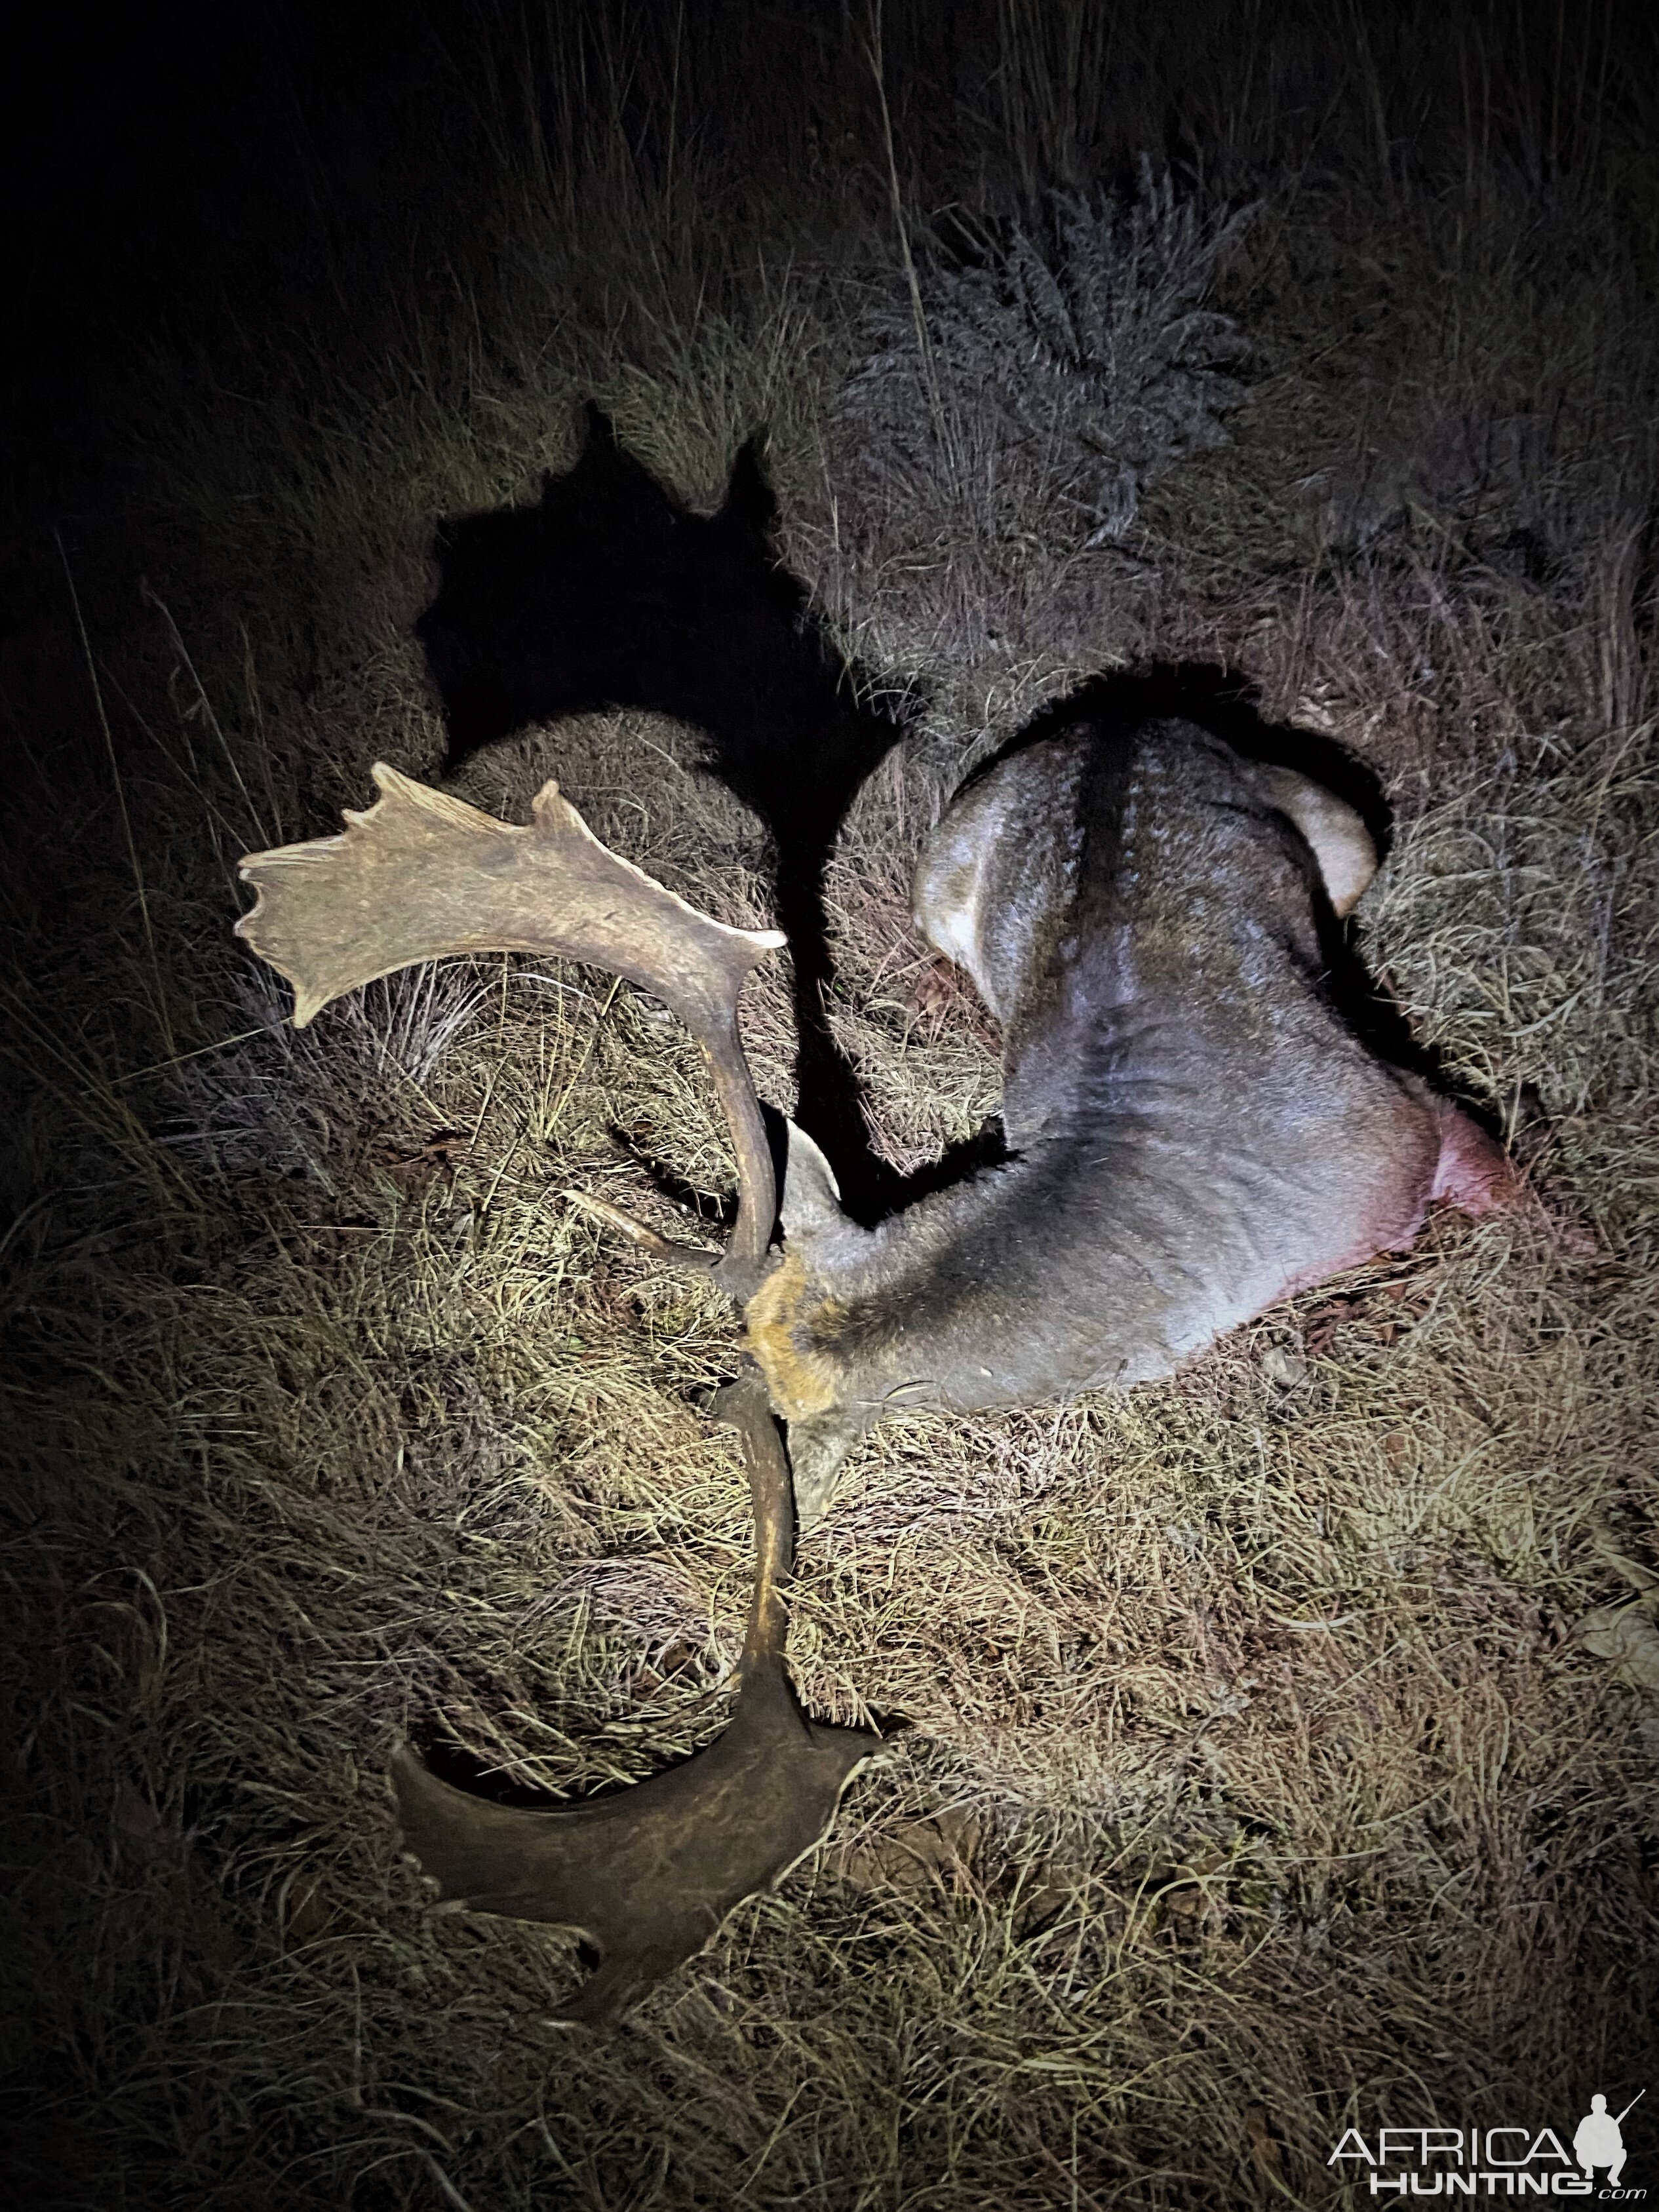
<point>1506,2161</point>
<point>1600,2141</point>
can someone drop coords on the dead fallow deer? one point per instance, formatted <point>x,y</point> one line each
<point>1193,1130</point>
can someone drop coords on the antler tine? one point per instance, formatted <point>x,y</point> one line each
<point>420,874</point>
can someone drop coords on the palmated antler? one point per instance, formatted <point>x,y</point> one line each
<point>650,1873</point>
<point>420,874</point>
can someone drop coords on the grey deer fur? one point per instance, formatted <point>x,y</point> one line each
<point>1193,1129</point>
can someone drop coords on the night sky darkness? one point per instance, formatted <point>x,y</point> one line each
<point>172,176</point>
<point>174,168</point>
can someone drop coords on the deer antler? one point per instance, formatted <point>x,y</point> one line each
<point>650,1873</point>
<point>420,874</point>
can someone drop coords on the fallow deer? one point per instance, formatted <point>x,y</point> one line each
<point>1193,1130</point>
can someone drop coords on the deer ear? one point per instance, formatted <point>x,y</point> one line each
<point>811,1197</point>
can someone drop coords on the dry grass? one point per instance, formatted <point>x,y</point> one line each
<point>1254,1781</point>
